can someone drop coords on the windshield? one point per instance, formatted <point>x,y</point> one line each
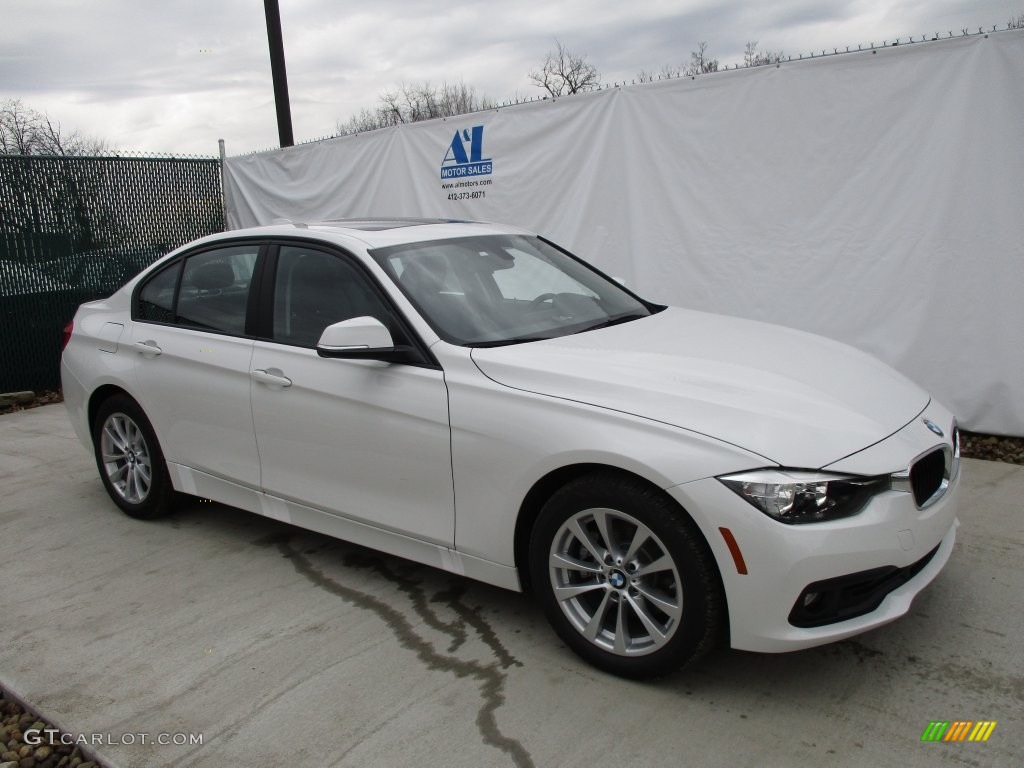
<point>505,289</point>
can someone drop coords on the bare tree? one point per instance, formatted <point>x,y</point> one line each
<point>25,131</point>
<point>365,120</point>
<point>1016,23</point>
<point>755,58</point>
<point>40,194</point>
<point>413,102</point>
<point>669,71</point>
<point>700,61</point>
<point>564,73</point>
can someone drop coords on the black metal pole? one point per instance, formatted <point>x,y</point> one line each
<point>277,71</point>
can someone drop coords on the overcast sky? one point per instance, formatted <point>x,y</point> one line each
<point>174,76</point>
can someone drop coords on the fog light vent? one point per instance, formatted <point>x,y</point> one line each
<point>846,597</point>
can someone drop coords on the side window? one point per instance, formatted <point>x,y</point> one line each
<point>156,299</point>
<point>214,291</point>
<point>314,289</point>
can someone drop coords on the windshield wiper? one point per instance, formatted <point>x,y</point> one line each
<point>523,339</point>
<point>505,342</point>
<point>615,321</point>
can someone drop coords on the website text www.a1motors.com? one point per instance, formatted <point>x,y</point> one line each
<point>465,194</point>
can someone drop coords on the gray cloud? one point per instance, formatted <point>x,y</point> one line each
<point>177,75</point>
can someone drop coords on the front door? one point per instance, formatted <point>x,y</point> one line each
<point>365,440</point>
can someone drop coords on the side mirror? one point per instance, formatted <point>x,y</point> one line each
<point>362,338</point>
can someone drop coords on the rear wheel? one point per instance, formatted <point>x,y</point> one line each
<point>625,577</point>
<point>130,461</point>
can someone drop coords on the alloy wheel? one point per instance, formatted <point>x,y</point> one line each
<point>126,458</point>
<point>616,582</point>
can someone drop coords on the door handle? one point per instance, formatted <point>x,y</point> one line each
<point>148,347</point>
<point>270,376</point>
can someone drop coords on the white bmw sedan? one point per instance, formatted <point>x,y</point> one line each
<point>473,397</point>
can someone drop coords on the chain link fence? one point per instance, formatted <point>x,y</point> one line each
<point>75,229</point>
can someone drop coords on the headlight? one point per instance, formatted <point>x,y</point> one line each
<point>794,496</point>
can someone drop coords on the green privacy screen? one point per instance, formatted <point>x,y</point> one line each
<point>75,229</point>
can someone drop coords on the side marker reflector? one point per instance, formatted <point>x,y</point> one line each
<point>734,550</point>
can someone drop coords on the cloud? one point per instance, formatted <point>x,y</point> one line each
<point>178,75</point>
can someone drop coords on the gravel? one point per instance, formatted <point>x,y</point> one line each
<point>975,445</point>
<point>41,398</point>
<point>19,751</point>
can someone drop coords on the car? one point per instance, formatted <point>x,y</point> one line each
<point>473,397</point>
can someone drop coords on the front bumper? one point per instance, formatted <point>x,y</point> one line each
<point>901,546</point>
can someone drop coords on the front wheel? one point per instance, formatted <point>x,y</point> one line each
<point>130,461</point>
<point>625,577</point>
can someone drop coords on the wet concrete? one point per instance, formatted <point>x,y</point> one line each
<point>284,647</point>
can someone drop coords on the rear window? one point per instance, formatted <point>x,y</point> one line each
<point>208,290</point>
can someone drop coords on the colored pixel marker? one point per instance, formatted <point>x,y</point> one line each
<point>958,730</point>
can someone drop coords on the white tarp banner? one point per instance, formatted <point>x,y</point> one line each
<point>875,197</point>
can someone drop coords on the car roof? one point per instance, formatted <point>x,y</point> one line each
<point>378,232</point>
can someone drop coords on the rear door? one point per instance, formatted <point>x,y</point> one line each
<point>192,358</point>
<point>362,439</point>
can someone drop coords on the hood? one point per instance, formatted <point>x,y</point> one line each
<point>797,399</point>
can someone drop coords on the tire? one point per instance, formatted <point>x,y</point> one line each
<point>130,461</point>
<point>591,555</point>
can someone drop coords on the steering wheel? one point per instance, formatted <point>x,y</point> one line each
<point>544,297</point>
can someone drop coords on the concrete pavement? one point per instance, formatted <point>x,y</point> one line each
<point>286,648</point>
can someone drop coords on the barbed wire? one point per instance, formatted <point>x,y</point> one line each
<point>901,41</point>
<point>117,154</point>
<point>861,48</point>
<point>133,155</point>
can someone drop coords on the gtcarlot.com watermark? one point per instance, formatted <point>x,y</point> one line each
<point>34,737</point>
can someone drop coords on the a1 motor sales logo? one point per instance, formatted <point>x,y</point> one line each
<point>465,156</point>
